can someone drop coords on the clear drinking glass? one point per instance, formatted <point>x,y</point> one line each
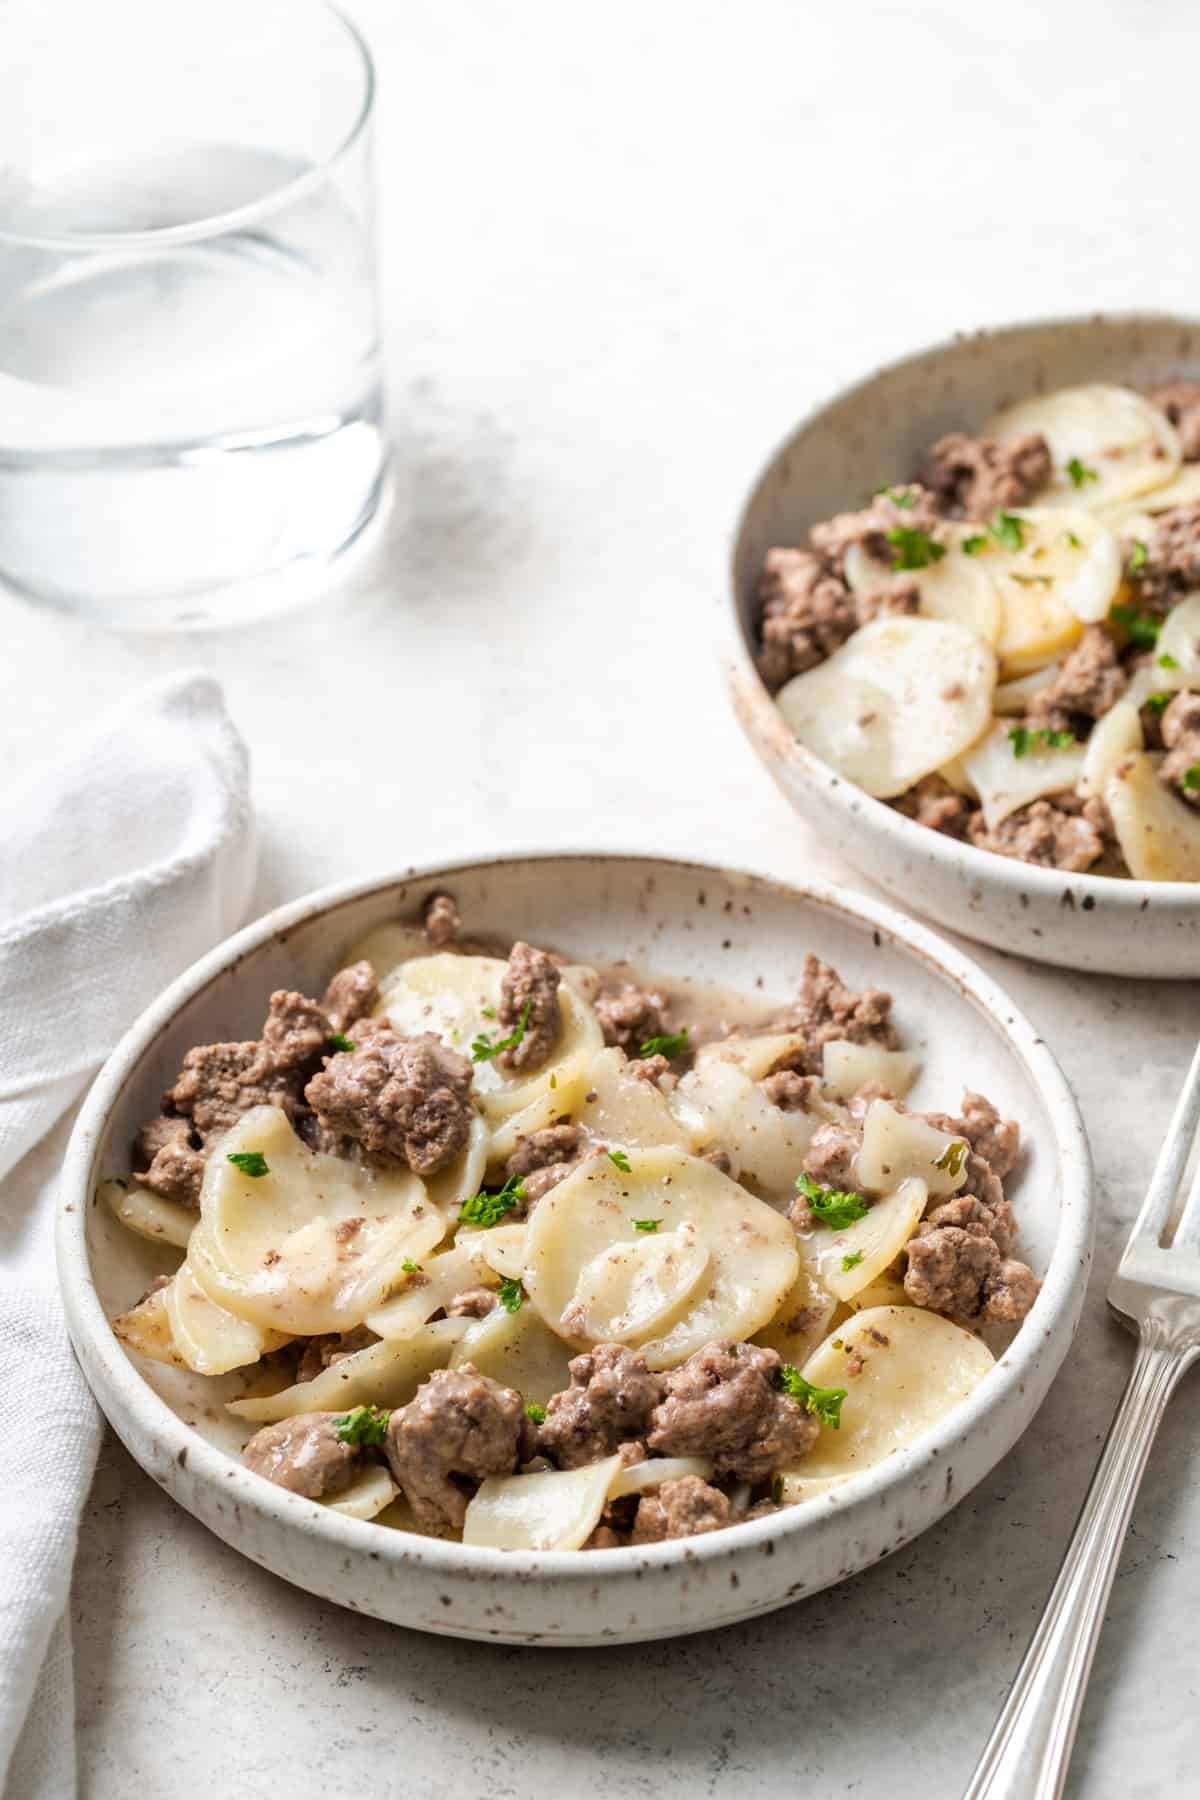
<point>190,380</point>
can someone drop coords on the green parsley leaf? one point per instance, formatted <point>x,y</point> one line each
<point>536,1413</point>
<point>250,1162</point>
<point>409,1267</point>
<point>1076,543</point>
<point>1191,779</point>
<point>364,1425</point>
<point>824,1403</point>
<point>851,1262</point>
<point>646,1224</point>
<point>511,1295</point>
<point>839,1344</point>
<point>1158,703</point>
<point>1137,556</point>
<point>915,549</point>
<point>1167,661</point>
<point>1024,739</point>
<point>674,1044</point>
<point>341,1043</point>
<point>975,543</point>
<point>1143,628</point>
<point>1080,474</point>
<point>620,1159</point>
<point>1032,580</point>
<point>835,1207</point>
<point>902,497</point>
<point>482,1048</point>
<point>489,1209</point>
<point>952,1158</point>
<point>1008,530</point>
<point>489,1012</point>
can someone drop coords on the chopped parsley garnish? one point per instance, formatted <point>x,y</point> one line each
<point>975,543</point>
<point>915,549</point>
<point>250,1162</point>
<point>1075,542</point>
<point>904,498</point>
<point>824,1403</point>
<point>363,1425</point>
<point>646,1224</point>
<point>672,1045</point>
<point>489,1209</point>
<point>1024,739</point>
<point>621,1161</point>
<point>341,1043</point>
<point>1167,661</point>
<point>511,1295</point>
<point>409,1267</point>
<point>1191,779</point>
<point>951,1161</point>
<point>482,1048</point>
<point>851,1262</point>
<point>489,1012</point>
<point>1008,530</point>
<point>1158,703</point>
<point>1032,580</point>
<point>1137,556</point>
<point>536,1413</point>
<point>1080,474</point>
<point>1143,628</point>
<point>835,1207</point>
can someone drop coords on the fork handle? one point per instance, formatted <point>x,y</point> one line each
<point>1027,1754</point>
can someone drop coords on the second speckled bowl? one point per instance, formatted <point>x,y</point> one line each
<point>873,433</point>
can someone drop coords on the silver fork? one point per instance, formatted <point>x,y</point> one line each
<point>1156,1293</point>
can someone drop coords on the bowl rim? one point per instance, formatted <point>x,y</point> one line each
<point>1063,1285</point>
<point>750,691</point>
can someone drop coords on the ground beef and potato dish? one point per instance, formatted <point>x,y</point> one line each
<point>1007,646</point>
<point>542,1256</point>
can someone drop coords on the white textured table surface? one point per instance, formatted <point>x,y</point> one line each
<point>621,251</point>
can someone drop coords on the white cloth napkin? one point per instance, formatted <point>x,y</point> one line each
<point>118,867</point>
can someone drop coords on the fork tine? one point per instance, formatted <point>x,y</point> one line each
<point>1187,1232</point>
<point>1172,1161</point>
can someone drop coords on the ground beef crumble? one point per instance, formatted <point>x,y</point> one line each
<point>631,1016</point>
<point>460,1427</point>
<point>1170,567</point>
<point>1181,735</point>
<point>544,1158</point>
<point>827,1010</point>
<point>442,921</point>
<point>723,1403</point>
<point>933,802</point>
<point>684,1508</point>
<point>610,1400</point>
<point>305,1455</point>
<point>976,477</point>
<point>529,993</point>
<point>868,529</point>
<point>1180,400</point>
<point>1045,833</point>
<point>806,614</point>
<point>1090,681</point>
<point>404,1100</point>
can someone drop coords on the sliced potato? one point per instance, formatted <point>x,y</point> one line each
<point>1183,489</point>
<point>848,1260</point>
<point>1117,442</point>
<point>1179,640</point>
<point>955,587</point>
<point>384,1374</point>
<point>208,1338</point>
<point>752,1250</point>
<point>313,1245</point>
<point>885,1290</point>
<point>1159,834</point>
<point>758,1056</point>
<point>849,1067</point>
<point>908,1382</point>
<point>1066,572</point>
<point>431,1287</point>
<point>644,1477</point>
<point>458,997</point>
<point>146,1329</point>
<point>629,1292</point>
<point>1012,697</point>
<point>1113,737</point>
<point>805,1314</point>
<point>553,1103</point>
<point>620,1108</point>
<point>162,1221</point>
<point>464,1176</point>
<point>517,1349</point>
<point>499,1247</point>
<point>366,1496</point>
<point>1005,782</point>
<point>723,1109</point>
<point>900,698</point>
<point>795,1488</point>
<point>386,947</point>
<point>555,1510</point>
<point>899,1145</point>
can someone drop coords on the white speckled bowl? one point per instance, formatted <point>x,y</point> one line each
<point>876,432</point>
<point>687,921</point>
